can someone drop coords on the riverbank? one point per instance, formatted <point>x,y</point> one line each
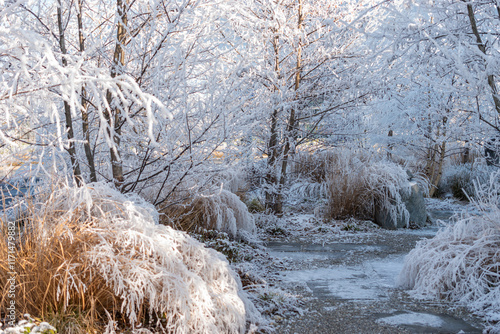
<point>345,274</point>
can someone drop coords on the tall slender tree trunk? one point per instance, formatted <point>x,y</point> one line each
<point>85,116</point>
<point>436,166</point>
<point>67,109</point>
<point>466,153</point>
<point>273,152</point>
<point>482,48</point>
<point>113,114</point>
<point>291,133</point>
<point>390,146</point>
<point>437,171</point>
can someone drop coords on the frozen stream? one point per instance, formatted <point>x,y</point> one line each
<point>351,287</point>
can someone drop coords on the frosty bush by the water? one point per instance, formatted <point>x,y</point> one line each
<point>235,181</point>
<point>95,252</point>
<point>462,262</point>
<point>214,205</point>
<point>221,210</point>
<point>459,179</point>
<point>352,183</point>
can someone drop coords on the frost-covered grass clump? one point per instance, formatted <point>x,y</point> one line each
<point>209,202</point>
<point>459,179</point>
<point>99,257</point>
<point>350,183</point>
<point>233,250</point>
<point>219,210</point>
<point>462,262</point>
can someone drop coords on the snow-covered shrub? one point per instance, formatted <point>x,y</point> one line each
<point>29,326</point>
<point>94,251</point>
<point>304,189</point>
<point>459,179</point>
<point>208,202</point>
<point>233,250</point>
<point>385,185</point>
<point>235,181</point>
<point>352,183</point>
<point>309,172</point>
<point>462,262</point>
<point>312,172</point>
<point>345,185</point>
<point>357,188</point>
<point>221,210</point>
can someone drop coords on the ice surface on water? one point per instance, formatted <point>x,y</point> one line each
<point>316,252</point>
<point>414,318</point>
<point>368,281</point>
<point>428,232</point>
<point>417,322</point>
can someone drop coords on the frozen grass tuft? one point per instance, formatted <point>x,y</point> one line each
<point>97,254</point>
<point>222,211</point>
<point>459,179</point>
<point>352,183</point>
<point>462,262</point>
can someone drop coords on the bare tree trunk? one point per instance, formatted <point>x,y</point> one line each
<point>466,154</point>
<point>291,134</point>
<point>113,114</point>
<point>272,197</point>
<point>437,166</point>
<point>85,117</point>
<point>67,109</point>
<point>431,151</point>
<point>391,145</point>
<point>271,179</point>
<point>437,174</point>
<point>482,48</point>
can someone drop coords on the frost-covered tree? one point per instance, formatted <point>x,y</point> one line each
<point>306,74</point>
<point>440,78</point>
<point>138,93</point>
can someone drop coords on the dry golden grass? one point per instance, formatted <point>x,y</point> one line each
<point>353,182</point>
<point>342,172</point>
<point>222,211</point>
<point>87,258</point>
<point>55,281</point>
<point>188,216</point>
<point>348,197</point>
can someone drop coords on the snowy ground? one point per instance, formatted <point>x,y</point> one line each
<point>345,274</point>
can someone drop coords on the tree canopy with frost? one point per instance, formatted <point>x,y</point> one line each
<point>138,93</point>
<point>308,71</point>
<point>439,60</point>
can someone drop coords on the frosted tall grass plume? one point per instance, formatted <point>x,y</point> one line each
<point>462,262</point>
<point>351,183</point>
<point>217,207</point>
<point>458,179</point>
<point>97,252</point>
